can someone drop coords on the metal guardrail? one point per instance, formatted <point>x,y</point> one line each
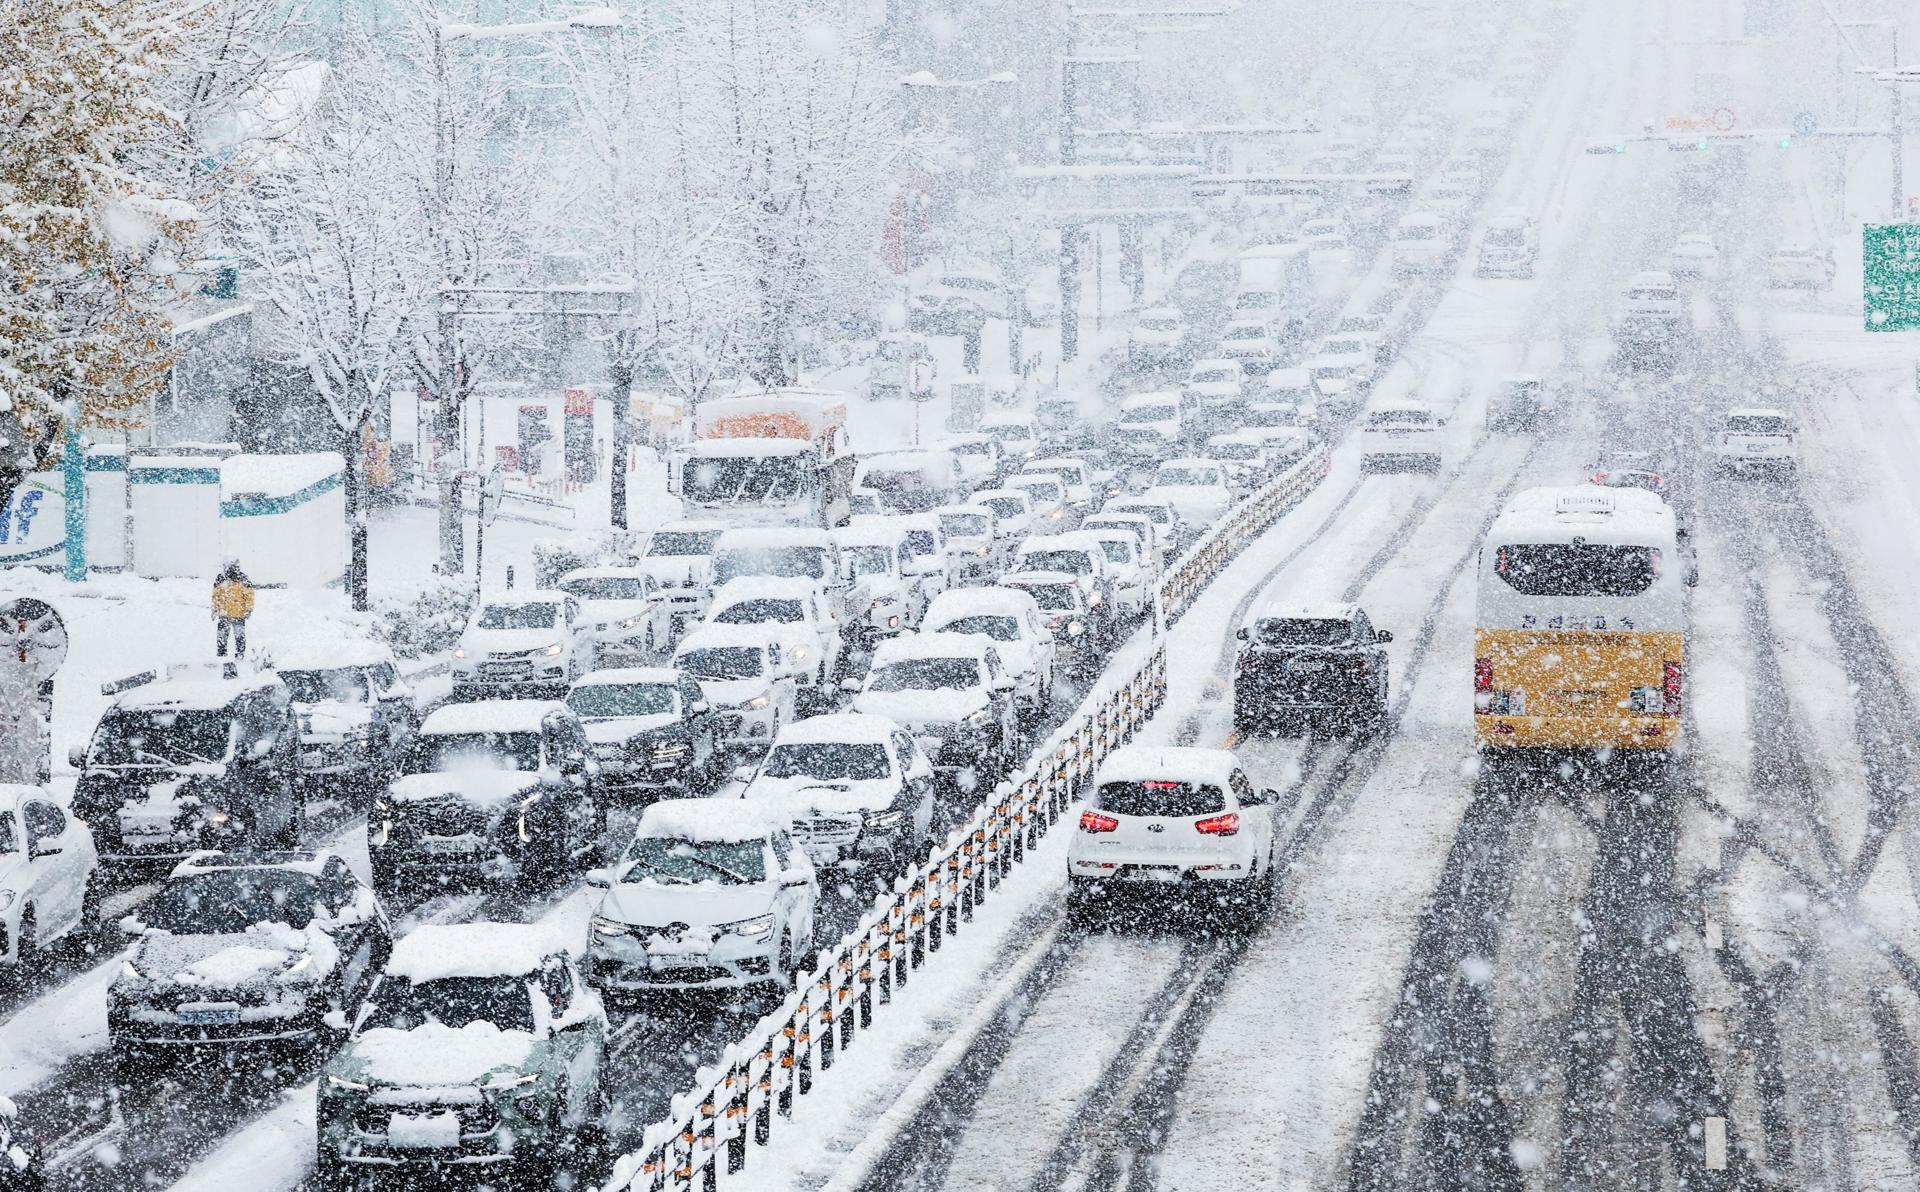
<point>738,1100</point>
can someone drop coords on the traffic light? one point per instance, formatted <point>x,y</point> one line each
<point>1786,142</point>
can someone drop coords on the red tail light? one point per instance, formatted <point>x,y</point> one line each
<point>1599,477</point>
<point>1671,678</point>
<point>1093,821</point>
<point>1219,825</point>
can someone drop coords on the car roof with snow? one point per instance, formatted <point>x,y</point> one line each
<point>521,598</point>
<point>1007,418</point>
<point>875,531</point>
<point>861,728</point>
<point>609,571</point>
<point>1650,277</point>
<point>618,676</point>
<point>197,691</point>
<point>715,821</point>
<point>719,637</point>
<point>916,457</point>
<point>1401,406</point>
<point>441,951</point>
<point>1334,610</point>
<point>1071,540</point>
<point>311,862</point>
<point>489,716</point>
<point>1289,378</point>
<point>930,645</point>
<point>1759,412</point>
<point>995,494</point>
<point>688,526</point>
<point>1190,461</point>
<point>970,508</point>
<point>1121,517</point>
<point>963,440</point>
<point>1251,438</point>
<point>1159,397</point>
<point>1212,362</point>
<point>1168,763</point>
<point>772,537</point>
<point>1014,579</point>
<point>956,603</point>
<point>332,655</point>
<point>1033,480</point>
<point>764,587</point>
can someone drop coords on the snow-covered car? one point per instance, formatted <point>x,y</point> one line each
<point>357,714</point>
<point>908,481</point>
<point>1694,255</point>
<point>1509,247</point>
<point>1173,821</point>
<point>1322,664</point>
<point>1343,369</point>
<point>1158,510</point>
<point>1128,570</point>
<point>1402,434</point>
<point>953,694</point>
<point>1147,535</point>
<point>1752,440</point>
<point>522,643</point>
<point>186,763</point>
<point>1077,553</point>
<point>710,894</point>
<point>1075,477</point>
<point>1651,306</point>
<point>1196,488</point>
<point>652,729</point>
<point>679,561</point>
<point>856,789</point>
<point>243,949</point>
<point>1048,496</point>
<point>1292,388</point>
<point>1631,469</point>
<point>1322,226</point>
<point>1063,600</point>
<point>784,553</point>
<point>1151,426</point>
<point>1244,455</point>
<point>1330,252</point>
<point>491,790</point>
<point>1519,401</point>
<point>1250,343</point>
<point>629,620</point>
<point>1019,439</point>
<point>49,874</point>
<point>1801,265</point>
<point>1158,336</point>
<point>1422,243</point>
<point>974,541</point>
<point>1013,620</point>
<point>882,600</point>
<point>1215,388</point>
<point>480,1049</point>
<point>741,672</point>
<point>928,565</point>
<point>981,458</point>
<point>812,650</point>
<point>1013,513</point>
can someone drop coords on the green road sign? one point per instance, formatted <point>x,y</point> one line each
<point>1891,256</point>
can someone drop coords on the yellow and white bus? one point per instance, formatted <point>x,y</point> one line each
<point>1580,623</point>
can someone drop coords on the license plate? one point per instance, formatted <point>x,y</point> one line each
<point>506,670</point>
<point>1151,873</point>
<point>222,1016</point>
<point>449,845</point>
<point>1301,666</point>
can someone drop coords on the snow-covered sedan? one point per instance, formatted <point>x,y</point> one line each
<point>357,714</point>
<point>812,650</point>
<point>652,730</point>
<point>48,866</point>
<point>1012,619</point>
<point>1404,434</point>
<point>856,788</point>
<point>1013,510</point>
<point>1052,511</point>
<point>981,458</point>
<point>243,949</point>
<point>882,600</point>
<point>1800,265</point>
<point>490,790</point>
<point>1064,603</point>
<point>744,676</point>
<point>1130,575</point>
<point>951,691</point>
<point>630,620</point>
<point>710,894</point>
<point>1171,821</point>
<point>479,1050</point>
<point>1757,440</point>
<point>1343,369</point>
<point>1151,426</point>
<point>1217,387</point>
<point>1196,488</point>
<point>522,643</point>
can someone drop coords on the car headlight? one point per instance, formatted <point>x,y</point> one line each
<point>553,651</point>
<point>1075,629</point>
<point>757,703</point>
<point>341,1082</point>
<point>667,749</point>
<point>979,719</point>
<point>884,821</point>
<point>299,966</point>
<point>893,622</point>
<point>630,622</point>
<point>982,552</point>
<point>131,973</point>
<point>800,653</point>
<point>757,928</point>
<point>609,928</point>
<point>458,652</point>
<point>218,819</point>
<point>1094,600</point>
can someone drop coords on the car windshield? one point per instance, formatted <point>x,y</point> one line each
<point>1213,376</point>
<point>743,478</point>
<point>970,448</point>
<point>1007,507</point>
<point>1150,414</point>
<point>919,542</point>
<point>542,615</point>
<point>1330,372</point>
<point>1272,416</point>
<point>1046,490</point>
<point>671,861</point>
<point>1399,418</point>
<point>1303,631</point>
<point>1159,325</point>
<point>780,562</point>
<point>9,836</point>
<point>926,674</point>
<point>402,1005</point>
<point>856,761</point>
<point>1235,451</point>
<point>1159,515</point>
<point>161,737</point>
<point>964,525</point>
<point>346,685</point>
<point>1248,331</point>
<point>1076,561</point>
<point>597,701</point>
<point>1346,347</point>
<point>1506,237</point>
<point>1052,597</point>
<point>1256,300</point>
<point>867,560</point>
<point>1420,232</point>
<point>1116,552</point>
<point>721,663</point>
<point>1187,476</point>
<point>1577,569</point>
<point>896,480</point>
<point>1160,797</point>
<point>229,902</point>
<point>682,543</point>
<point>1758,424</point>
<point>761,609</point>
<point>606,587</point>
<point>1000,629</point>
<point>449,753</point>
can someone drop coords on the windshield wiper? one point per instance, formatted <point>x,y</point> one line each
<point>719,868</point>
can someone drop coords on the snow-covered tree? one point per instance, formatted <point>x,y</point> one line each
<point>89,234</point>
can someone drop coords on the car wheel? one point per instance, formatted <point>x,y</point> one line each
<point>26,949</point>
<point>79,936</point>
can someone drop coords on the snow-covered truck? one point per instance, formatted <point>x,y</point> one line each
<point>774,458</point>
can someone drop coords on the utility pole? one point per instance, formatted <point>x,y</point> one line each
<point>446,415</point>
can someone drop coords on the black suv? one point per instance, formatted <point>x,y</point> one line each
<point>186,763</point>
<point>1313,665</point>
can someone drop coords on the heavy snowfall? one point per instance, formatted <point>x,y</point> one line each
<point>1012,595</point>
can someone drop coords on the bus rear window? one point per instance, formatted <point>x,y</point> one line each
<point>1577,569</point>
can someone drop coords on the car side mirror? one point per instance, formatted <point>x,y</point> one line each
<point>260,748</point>
<point>132,927</point>
<point>744,773</point>
<point>794,881</point>
<point>43,850</point>
<point>1381,637</point>
<point>599,879</point>
<point>850,685</point>
<point>1241,634</point>
<point>1269,796</point>
<point>335,1020</point>
<point>700,707</point>
<point>77,756</point>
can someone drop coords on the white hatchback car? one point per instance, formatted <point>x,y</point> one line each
<point>1174,820</point>
<point>1401,434</point>
<point>522,642</point>
<point>47,863</point>
<point>710,894</point>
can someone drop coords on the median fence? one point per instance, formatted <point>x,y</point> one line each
<point>736,1105</point>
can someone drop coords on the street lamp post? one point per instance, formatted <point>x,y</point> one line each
<point>1895,76</point>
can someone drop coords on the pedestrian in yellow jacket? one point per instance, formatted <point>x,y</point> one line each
<point>232,605</point>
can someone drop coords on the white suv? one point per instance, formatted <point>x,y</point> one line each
<point>523,642</point>
<point>1012,619</point>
